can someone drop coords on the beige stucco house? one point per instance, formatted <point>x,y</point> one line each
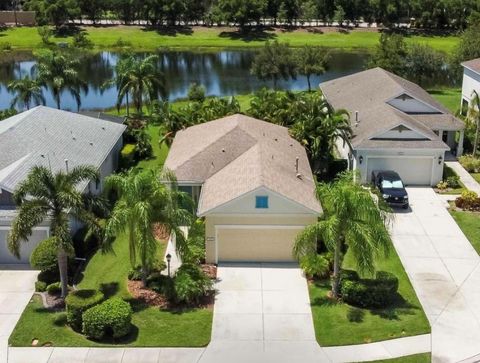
<point>396,126</point>
<point>253,184</point>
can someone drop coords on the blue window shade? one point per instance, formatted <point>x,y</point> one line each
<point>261,202</point>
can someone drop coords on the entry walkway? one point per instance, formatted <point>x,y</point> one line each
<point>465,177</point>
<point>445,272</point>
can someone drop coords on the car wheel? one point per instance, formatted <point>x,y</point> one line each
<point>405,206</point>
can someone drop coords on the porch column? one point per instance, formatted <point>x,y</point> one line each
<point>460,143</point>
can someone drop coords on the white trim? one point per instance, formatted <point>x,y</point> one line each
<point>261,215</point>
<point>409,127</point>
<point>402,150</point>
<point>471,69</point>
<point>250,226</point>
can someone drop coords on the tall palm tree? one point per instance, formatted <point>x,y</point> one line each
<point>59,72</point>
<point>143,202</point>
<point>44,195</point>
<point>142,80</point>
<point>26,90</point>
<point>122,69</point>
<point>353,219</point>
<point>474,114</point>
<point>318,127</point>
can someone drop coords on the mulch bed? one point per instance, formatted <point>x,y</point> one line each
<point>147,296</point>
<point>52,302</point>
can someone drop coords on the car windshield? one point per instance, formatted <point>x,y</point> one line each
<point>388,184</point>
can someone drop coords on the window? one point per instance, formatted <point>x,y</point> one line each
<point>261,201</point>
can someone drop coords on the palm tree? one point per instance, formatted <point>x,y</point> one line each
<point>44,195</point>
<point>27,90</point>
<point>474,114</point>
<point>143,202</point>
<point>318,127</point>
<point>59,72</point>
<point>121,76</point>
<point>352,218</point>
<point>141,78</point>
<point>311,61</point>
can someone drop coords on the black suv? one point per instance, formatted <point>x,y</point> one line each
<point>391,187</point>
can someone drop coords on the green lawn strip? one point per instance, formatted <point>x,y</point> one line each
<point>448,172</point>
<point>200,37</point>
<point>469,223</point>
<point>159,153</point>
<point>333,326</point>
<point>415,358</point>
<point>476,176</point>
<point>449,97</point>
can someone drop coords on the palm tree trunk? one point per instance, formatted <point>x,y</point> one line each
<point>336,270</point>
<point>62,267</point>
<point>308,81</point>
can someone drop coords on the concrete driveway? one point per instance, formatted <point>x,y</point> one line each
<point>444,270</point>
<point>17,284</point>
<point>262,314</point>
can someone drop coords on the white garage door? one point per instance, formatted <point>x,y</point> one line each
<point>256,244</point>
<point>26,248</point>
<point>413,171</point>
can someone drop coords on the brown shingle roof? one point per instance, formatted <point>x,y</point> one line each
<point>369,91</point>
<point>239,154</point>
<point>473,64</point>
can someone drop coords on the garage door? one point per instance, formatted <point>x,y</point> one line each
<point>256,244</point>
<point>25,250</point>
<point>413,171</point>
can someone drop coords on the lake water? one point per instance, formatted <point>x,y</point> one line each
<point>222,73</point>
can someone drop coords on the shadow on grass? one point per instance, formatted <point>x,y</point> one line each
<point>421,32</point>
<point>399,307</point>
<point>248,34</point>
<point>171,31</point>
<point>109,289</point>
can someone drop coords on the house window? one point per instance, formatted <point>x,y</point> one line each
<point>261,201</point>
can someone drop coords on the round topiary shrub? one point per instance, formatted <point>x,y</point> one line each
<point>315,266</point>
<point>54,288</point>
<point>40,286</point>
<point>44,256</point>
<point>77,302</point>
<point>113,316</point>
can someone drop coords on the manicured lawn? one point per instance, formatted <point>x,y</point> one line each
<point>448,172</point>
<point>341,324</point>
<point>449,97</point>
<point>200,37</point>
<point>469,223</point>
<point>159,153</point>
<point>476,176</point>
<point>415,358</point>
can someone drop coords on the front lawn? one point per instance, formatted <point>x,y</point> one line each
<point>414,358</point>
<point>476,176</point>
<point>337,323</point>
<point>469,223</point>
<point>449,97</point>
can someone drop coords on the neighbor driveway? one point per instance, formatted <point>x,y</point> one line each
<point>17,284</point>
<point>262,314</point>
<point>445,272</point>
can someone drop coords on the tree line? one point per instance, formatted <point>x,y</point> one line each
<point>437,14</point>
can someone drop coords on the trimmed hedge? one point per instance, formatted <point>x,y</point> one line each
<point>77,302</point>
<point>113,316</point>
<point>44,256</point>
<point>369,293</point>
<point>54,288</point>
<point>190,284</point>
<point>40,286</point>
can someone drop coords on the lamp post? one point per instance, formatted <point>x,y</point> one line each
<point>169,257</point>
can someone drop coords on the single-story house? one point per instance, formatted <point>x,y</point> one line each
<point>470,83</point>
<point>57,140</point>
<point>396,126</point>
<point>253,184</point>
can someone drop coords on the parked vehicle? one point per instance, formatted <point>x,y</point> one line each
<point>391,187</point>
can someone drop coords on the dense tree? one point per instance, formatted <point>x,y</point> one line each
<point>390,53</point>
<point>423,64</point>
<point>242,12</point>
<point>56,12</point>
<point>311,61</point>
<point>274,61</point>
<point>56,196</point>
<point>273,106</point>
<point>26,91</point>
<point>469,47</point>
<point>351,219</point>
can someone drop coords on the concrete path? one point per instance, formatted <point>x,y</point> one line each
<point>464,175</point>
<point>16,288</point>
<point>445,272</point>
<point>262,314</point>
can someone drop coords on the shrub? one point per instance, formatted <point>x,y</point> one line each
<point>79,301</point>
<point>196,93</point>
<point>127,155</point>
<point>196,243</point>
<point>49,276</point>
<point>370,293</point>
<point>113,316</point>
<point>80,40</point>
<point>5,46</point>
<point>470,163</point>
<point>45,34</point>
<point>190,284</point>
<point>121,43</point>
<point>469,200</point>
<point>315,266</point>
<point>54,288</point>
<point>163,285</point>
<point>44,256</point>
<point>135,273</point>
<point>453,181</point>
<point>442,185</point>
<point>40,286</point>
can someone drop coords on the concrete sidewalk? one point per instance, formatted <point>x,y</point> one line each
<point>464,175</point>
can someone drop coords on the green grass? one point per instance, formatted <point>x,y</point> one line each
<point>159,153</point>
<point>200,37</point>
<point>415,358</point>
<point>331,319</point>
<point>449,97</point>
<point>476,176</point>
<point>448,172</point>
<point>469,223</point>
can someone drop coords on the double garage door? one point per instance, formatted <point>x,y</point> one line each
<point>26,248</point>
<point>413,171</point>
<point>256,243</point>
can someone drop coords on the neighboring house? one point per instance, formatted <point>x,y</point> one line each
<point>470,83</point>
<point>57,140</point>
<point>396,125</point>
<point>252,183</point>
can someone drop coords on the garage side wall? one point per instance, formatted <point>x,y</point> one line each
<point>212,221</point>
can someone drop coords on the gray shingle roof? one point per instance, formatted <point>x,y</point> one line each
<point>473,64</point>
<point>238,154</point>
<point>369,91</point>
<point>47,136</point>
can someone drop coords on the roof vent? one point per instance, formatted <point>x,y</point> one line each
<point>357,118</point>
<point>276,139</point>
<point>223,150</point>
<point>298,175</point>
<point>91,143</point>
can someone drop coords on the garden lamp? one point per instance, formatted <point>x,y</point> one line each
<point>169,258</point>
